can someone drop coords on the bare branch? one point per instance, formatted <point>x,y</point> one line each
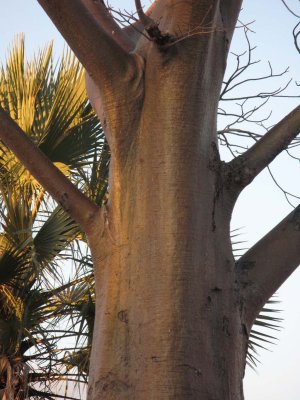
<point>296,34</point>
<point>95,38</point>
<point>288,195</point>
<point>296,31</point>
<point>248,121</point>
<point>132,26</point>
<point>81,209</point>
<point>290,10</point>
<point>248,165</point>
<point>144,18</point>
<point>241,67</point>
<point>264,268</point>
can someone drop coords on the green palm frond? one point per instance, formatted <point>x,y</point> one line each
<point>78,359</point>
<point>258,339</point>
<point>49,103</point>
<point>54,235</point>
<point>13,262</point>
<point>39,312</point>
<point>16,215</point>
<point>94,180</point>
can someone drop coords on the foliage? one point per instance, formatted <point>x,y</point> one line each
<point>38,310</point>
<point>265,321</point>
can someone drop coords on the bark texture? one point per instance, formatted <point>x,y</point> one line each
<point>173,311</point>
<point>168,310</point>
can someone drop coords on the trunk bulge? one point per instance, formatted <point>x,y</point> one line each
<point>168,319</point>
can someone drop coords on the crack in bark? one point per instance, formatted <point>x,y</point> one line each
<point>197,371</point>
<point>245,330</point>
<point>225,326</point>
<point>215,165</point>
<point>245,265</point>
<point>123,316</point>
<point>64,201</point>
<point>155,359</point>
<point>111,383</point>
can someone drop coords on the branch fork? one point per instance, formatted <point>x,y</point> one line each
<point>152,27</point>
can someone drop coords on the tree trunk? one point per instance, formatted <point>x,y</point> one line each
<point>168,312</point>
<point>173,311</point>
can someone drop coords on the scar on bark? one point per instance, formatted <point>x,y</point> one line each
<point>246,265</point>
<point>123,316</point>
<point>155,359</point>
<point>245,330</point>
<point>110,382</point>
<point>225,327</point>
<point>64,201</point>
<point>152,28</point>
<point>196,370</point>
<point>215,165</point>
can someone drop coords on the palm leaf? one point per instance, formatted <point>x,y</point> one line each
<point>54,235</point>
<point>48,101</point>
<point>264,322</point>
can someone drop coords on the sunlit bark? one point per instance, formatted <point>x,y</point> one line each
<point>171,306</point>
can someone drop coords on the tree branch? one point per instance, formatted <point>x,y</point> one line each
<point>106,21</point>
<point>133,28</point>
<point>151,26</point>
<point>264,268</point>
<point>248,165</point>
<point>80,207</point>
<point>144,18</point>
<point>85,26</point>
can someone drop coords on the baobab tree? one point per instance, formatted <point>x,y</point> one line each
<point>173,309</point>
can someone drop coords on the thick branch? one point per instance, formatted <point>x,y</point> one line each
<point>105,21</point>
<point>81,209</point>
<point>247,166</point>
<point>85,27</point>
<point>264,268</point>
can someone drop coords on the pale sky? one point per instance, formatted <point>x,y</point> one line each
<point>261,206</point>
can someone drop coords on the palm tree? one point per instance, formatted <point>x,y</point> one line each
<point>49,103</point>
